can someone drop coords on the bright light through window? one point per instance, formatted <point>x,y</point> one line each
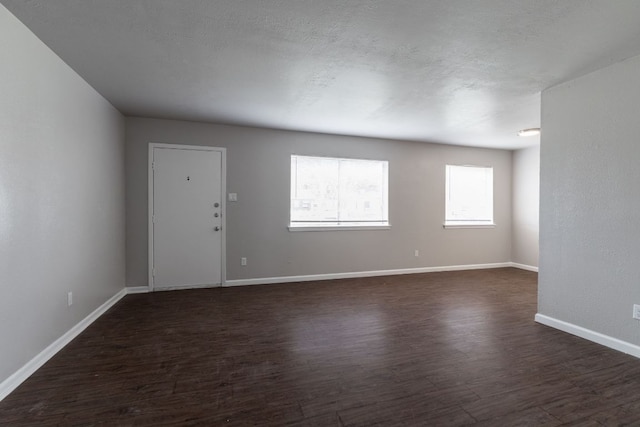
<point>328,191</point>
<point>469,196</point>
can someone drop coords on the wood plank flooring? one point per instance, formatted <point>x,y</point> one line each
<point>437,349</point>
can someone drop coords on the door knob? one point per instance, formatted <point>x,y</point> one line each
<point>216,228</point>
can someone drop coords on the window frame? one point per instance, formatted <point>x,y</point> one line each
<point>467,223</point>
<point>341,225</point>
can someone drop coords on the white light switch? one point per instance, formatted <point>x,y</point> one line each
<point>233,197</point>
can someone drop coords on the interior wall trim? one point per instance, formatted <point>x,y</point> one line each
<point>137,290</point>
<point>588,334</point>
<point>349,275</point>
<point>524,267</point>
<point>13,381</point>
<point>356,274</point>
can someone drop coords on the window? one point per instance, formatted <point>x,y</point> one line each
<point>330,192</point>
<point>469,196</point>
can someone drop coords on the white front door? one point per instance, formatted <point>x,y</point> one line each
<point>186,216</point>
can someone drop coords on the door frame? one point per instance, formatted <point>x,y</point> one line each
<point>223,205</point>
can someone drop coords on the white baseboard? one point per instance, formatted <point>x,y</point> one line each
<point>524,267</point>
<point>137,290</point>
<point>184,287</point>
<point>18,377</point>
<point>590,335</point>
<point>357,274</point>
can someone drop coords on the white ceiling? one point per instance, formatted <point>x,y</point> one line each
<point>466,72</point>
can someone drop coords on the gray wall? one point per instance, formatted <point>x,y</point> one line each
<point>258,163</point>
<point>590,201</point>
<point>526,201</point>
<point>61,197</point>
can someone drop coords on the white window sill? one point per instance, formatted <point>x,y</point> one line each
<point>339,227</point>
<point>468,225</point>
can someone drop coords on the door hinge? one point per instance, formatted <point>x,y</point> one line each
<point>153,272</point>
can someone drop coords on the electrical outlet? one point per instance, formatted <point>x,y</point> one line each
<point>69,299</point>
<point>416,253</point>
<point>243,261</point>
<point>636,311</point>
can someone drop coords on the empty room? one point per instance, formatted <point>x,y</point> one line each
<point>415,213</point>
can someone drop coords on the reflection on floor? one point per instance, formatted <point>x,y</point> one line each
<point>438,349</point>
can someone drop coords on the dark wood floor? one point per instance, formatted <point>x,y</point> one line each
<point>434,349</point>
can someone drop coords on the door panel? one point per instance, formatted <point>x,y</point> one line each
<point>187,218</point>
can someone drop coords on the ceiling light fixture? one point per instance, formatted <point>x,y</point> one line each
<point>529,132</point>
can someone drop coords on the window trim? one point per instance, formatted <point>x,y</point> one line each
<point>469,223</point>
<point>339,227</point>
<point>349,225</point>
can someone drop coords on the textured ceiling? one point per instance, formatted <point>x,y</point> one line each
<point>463,72</point>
